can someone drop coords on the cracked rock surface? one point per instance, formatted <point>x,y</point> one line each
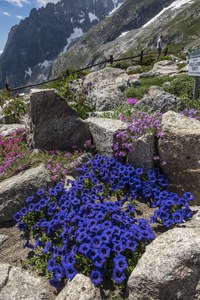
<point>16,284</point>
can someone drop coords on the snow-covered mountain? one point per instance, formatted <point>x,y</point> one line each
<point>34,43</point>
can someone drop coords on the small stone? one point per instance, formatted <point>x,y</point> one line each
<point>3,238</point>
<point>80,288</point>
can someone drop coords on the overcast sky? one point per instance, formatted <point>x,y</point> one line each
<point>12,11</point>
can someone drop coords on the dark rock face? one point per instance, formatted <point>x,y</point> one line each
<point>37,40</point>
<point>55,124</point>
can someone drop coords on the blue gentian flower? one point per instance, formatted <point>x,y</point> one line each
<point>47,247</point>
<point>118,276</point>
<point>22,226</point>
<point>29,199</point>
<point>70,271</point>
<point>57,273</point>
<point>24,211</point>
<point>120,262</point>
<point>51,264</point>
<point>96,277</point>
<point>17,217</point>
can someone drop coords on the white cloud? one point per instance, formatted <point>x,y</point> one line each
<point>44,2</point>
<point>6,14</point>
<point>19,17</point>
<point>19,3</point>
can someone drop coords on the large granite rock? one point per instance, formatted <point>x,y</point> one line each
<point>144,152</point>
<point>16,284</point>
<point>108,86</point>
<point>162,68</point>
<point>15,190</point>
<point>80,288</point>
<point>103,133</point>
<point>156,100</point>
<point>55,124</point>
<point>180,150</point>
<point>169,269</point>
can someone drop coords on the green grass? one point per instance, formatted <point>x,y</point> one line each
<point>125,109</point>
<point>4,96</point>
<point>182,86</point>
<point>146,83</point>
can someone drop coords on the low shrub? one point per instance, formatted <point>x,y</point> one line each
<point>15,108</point>
<point>182,86</point>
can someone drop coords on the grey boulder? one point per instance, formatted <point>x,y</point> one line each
<point>103,133</point>
<point>15,190</point>
<point>169,269</point>
<point>107,88</point>
<point>179,149</point>
<point>156,100</point>
<point>80,288</point>
<point>16,284</point>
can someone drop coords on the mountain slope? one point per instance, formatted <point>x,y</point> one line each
<point>36,41</point>
<point>179,22</point>
<point>131,15</point>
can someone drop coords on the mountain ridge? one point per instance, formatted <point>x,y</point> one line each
<point>44,34</point>
<point>173,23</point>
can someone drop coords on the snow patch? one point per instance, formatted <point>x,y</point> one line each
<point>1,51</point>
<point>175,5</point>
<point>82,14</point>
<point>81,21</point>
<point>116,6</point>
<point>46,64</point>
<point>76,34</point>
<point>28,72</point>
<point>123,33</point>
<point>92,17</point>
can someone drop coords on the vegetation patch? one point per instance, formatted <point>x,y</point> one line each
<point>91,228</point>
<point>146,83</point>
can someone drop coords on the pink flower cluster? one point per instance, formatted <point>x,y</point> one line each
<point>57,171</point>
<point>132,101</point>
<point>10,150</point>
<point>139,124</point>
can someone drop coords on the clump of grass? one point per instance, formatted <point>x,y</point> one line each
<point>146,83</point>
<point>182,86</point>
<point>125,109</point>
<point>140,69</point>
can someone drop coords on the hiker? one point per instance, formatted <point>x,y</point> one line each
<point>159,46</point>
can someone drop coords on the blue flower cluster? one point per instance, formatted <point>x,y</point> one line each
<point>91,228</point>
<point>172,208</point>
